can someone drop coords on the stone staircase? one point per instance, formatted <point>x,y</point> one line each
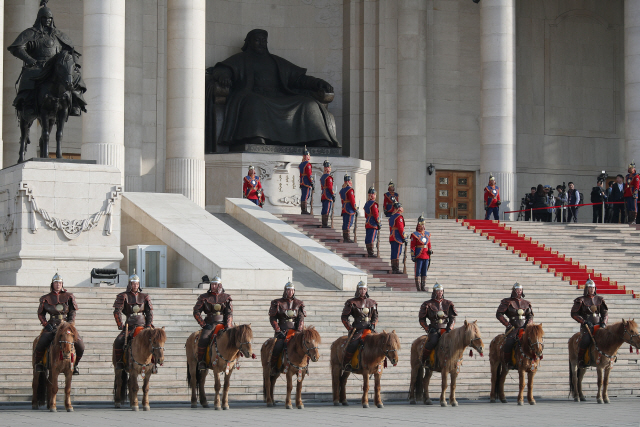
<point>398,310</point>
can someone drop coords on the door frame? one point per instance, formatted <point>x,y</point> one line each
<point>140,265</point>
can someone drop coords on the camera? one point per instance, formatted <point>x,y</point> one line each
<point>603,176</point>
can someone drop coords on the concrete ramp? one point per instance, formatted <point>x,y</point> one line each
<point>207,244</point>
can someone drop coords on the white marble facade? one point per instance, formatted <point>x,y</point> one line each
<point>409,84</point>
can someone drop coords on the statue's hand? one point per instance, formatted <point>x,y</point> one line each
<point>324,86</point>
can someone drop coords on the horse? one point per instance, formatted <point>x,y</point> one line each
<point>53,96</point>
<point>144,353</point>
<point>604,346</point>
<point>528,354</point>
<point>298,351</point>
<point>60,359</point>
<point>449,353</point>
<point>225,349</point>
<point>376,350</point>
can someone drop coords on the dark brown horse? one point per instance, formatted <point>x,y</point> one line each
<point>300,349</point>
<point>60,360</point>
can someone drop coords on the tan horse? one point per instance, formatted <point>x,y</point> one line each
<point>225,351</point>
<point>300,349</point>
<point>60,360</point>
<point>603,350</point>
<point>377,348</point>
<point>449,354</point>
<point>145,353</point>
<point>528,353</point>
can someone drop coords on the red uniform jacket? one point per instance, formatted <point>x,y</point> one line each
<point>396,225</point>
<point>491,196</point>
<point>251,186</point>
<point>326,181</point>
<point>420,244</point>
<point>371,214</point>
<point>306,173</point>
<point>348,197</point>
<point>631,185</point>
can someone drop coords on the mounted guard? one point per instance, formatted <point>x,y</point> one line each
<point>372,221</point>
<point>420,254</point>
<point>286,316</point>
<point>441,315</point>
<point>218,307</point>
<point>592,313</point>
<point>515,313</point>
<point>364,311</point>
<point>328,197</point>
<point>306,181</point>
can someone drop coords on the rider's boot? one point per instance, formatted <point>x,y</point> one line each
<point>581,353</point>
<point>79,346</point>
<point>417,283</point>
<point>507,359</point>
<point>426,355</point>
<point>39,365</point>
<point>201,364</point>
<point>75,370</point>
<point>118,353</point>
<point>423,283</point>
<point>347,361</point>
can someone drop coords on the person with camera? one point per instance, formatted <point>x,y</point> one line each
<point>616,197</point>
<point>599,196</point>
<point>550,203</point>
<point>573,196</point>
<point>492,199</point>
<point>527,203</point>
<point>539,203</point>
<point>560,200</point>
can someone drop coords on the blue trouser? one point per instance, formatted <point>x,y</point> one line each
<point>347,221</point>
<point>496,213</point>
<point>256,201</point>
<point>421,266</point>
<point>326,207</point>
<point>370,237</point>
<point>306,193</point>
<point>396,250</point>
<point>631,203</point>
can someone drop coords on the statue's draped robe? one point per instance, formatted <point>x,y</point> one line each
<point>264,102</point>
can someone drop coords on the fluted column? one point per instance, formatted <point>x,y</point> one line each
<point>498,126</point>
<point>133,105</point>
<point>103,72</point>
<point>1,72</point>
<point>184,168</point>
<point>632,79</point>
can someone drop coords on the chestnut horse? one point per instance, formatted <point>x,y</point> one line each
<point>145,352</point>
<point>377,348</point>
<point>604,346</point>
<point>225,350</point>
<point>528,352</point>
<point>302,347</point>
<point>60,360</point>
<point>449,354</point>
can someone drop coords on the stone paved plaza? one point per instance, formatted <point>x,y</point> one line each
<point>620,413</point>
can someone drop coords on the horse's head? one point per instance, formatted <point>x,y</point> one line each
<point>65,65</point>
<point>310,342</point>
<point>533,338</point>
<point>157,338</point>
<point>65,338</point>
<point>243,337</point>
<point>391,346</point>
<point>473,336</point>
<point>631,335</point>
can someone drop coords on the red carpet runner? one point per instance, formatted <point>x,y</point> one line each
<point>558,264</point>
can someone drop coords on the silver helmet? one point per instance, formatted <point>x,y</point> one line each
<point>513,290</point>
<point>134,278</point>
<point>590,284</point>
<point>287,286</point>
<point>215,284</point>
<point>362,285</point>
<point>57,278</point>
<point>437,287</point>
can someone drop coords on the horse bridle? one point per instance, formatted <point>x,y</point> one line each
<point>308,349</point>
<point>65,354</point>
<point>631,337</point>
<point>540,343</point>
<point>472,340</point>
<point>154,348</point>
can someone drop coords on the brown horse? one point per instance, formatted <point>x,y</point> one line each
<point>225,350</point>
<point>60,360</point>
<point>146,351</point>
<point>301,348</point>
<point>377,348</point>
<point>528,353</point>
<point>605,344</point>
<point>449,354</point>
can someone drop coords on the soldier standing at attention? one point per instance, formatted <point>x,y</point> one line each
<point>306,181</point>
<point>389,198</point>
<point>492,199</point>
<point>631,186</point>
<point>349,209</point>
<point>372,221</point>
<point>328,197</point>
<point>420,253</point>
<point>396,237</point>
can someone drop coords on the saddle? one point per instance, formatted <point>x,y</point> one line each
<point>357,355</point>
<point>207,354</point>
<point>279,367</point>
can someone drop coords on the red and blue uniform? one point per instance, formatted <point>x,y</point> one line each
<point>420,245</point>
<point>348,197</point>
<point>371,221</point>
<point>306,181</point>
<point>396,235</point>
<point>326,181</point>
<point>491,199</point>
<point>387,203</point>
<point>252,189</point>
<point>631,186</point>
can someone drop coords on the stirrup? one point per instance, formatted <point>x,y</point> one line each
<point>75,370</point>
<point>119,365</point>
<point>202,366</point>
<point>40,367</point>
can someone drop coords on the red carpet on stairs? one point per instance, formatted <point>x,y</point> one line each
<point>558,264</point>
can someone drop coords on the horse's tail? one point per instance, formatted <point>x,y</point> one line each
<point>570,379</point>
<point>197,379</point>
<point>124,387</point>
<point>43,390</point>
<point>418,387</point>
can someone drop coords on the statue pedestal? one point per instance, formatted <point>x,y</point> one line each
<point>58,216</point>
<point>280,178</point>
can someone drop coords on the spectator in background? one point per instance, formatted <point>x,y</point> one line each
<point>561,200</point>
<point>540,201</point>
<point>607,207</point>
<point>617,197</point>
<point>574,199</point>
<point>598,195</point>
<point>528,204</point>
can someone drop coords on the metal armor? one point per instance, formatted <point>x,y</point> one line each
<point>60,306</point>
<point>440,313</point>
<point>590,309</point>
<point>516,312</point>
<point>364,312</point>
<point>136,307</point>
<point>285,314</point>
<point>218,308</point>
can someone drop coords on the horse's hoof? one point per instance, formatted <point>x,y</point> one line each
<point>428,402</point>
<point>117,406</point>
<point>300,406</point>
<point>204,405</point>
<point>606,400</point>
<point>365,405</point>
<point>520,403</point>
<point>576,399</point>
<point>380,405</point>
<point>134,408</point>
<point>336,403</point>
<point>69,409</point>
<point>412,402</point>
<point>443,404</point>
<point>600,401</point>
<point>217,408</point>
<point>492,401</point>
<point>345,403</point>
<point>225,407</point>
<point>289,406</point>
<point>503,400</point>
<point>53,410</point>
<point>583,399</point>
<point>454,403</point>
<point>194,405</point>
<point>533,402</point>
<point>146,408</point>
<point>269,405</point>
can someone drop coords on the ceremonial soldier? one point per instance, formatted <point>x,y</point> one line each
<point>349,209</point>
<point>441,315</point>
<point>252,187</point>
<point>591,312</point>
<point>138,310</point>
<point>217,305</point>
<point>396,237</point>
<point>514,313</point>
<point>306,181</point>
<point>420,253</point>
<point>372,221</point>
<point>632,184</point>
<point>390,197</point>
<point>286,316</point>
<point>492,199</point>
<point>364,311</point>
<point>60,305</point>
<point>328,198</point>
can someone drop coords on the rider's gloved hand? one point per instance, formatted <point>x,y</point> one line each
<point>589,325</point>
<point>280,335</point>
<point>48,327</point>
<point>208,326</point>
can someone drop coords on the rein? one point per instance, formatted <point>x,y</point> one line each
<point>153,348</point>
<point>67,354</point>
<point>631,337</point>
<point>612,359</point>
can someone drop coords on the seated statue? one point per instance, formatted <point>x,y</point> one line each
<point>254,97</point>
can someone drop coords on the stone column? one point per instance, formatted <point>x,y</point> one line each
<point>133,105</point>
<point>632,80</point>
<point>412,107</point>
<point>103,72</point>
<point>1,73</point>
<point>498,98</point>
<point>185,170</point>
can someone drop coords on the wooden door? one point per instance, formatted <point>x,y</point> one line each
<point>455,195</point>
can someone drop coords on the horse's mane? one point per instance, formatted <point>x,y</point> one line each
<point>62,332</point>
<point>49,67</point>
<point>152,334</point>
<point>458,337</point>
<point>309,334</point>
<point>532,332</point>
<point>240,332</point>
<point>612,335</point>
<point>376,343</point>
